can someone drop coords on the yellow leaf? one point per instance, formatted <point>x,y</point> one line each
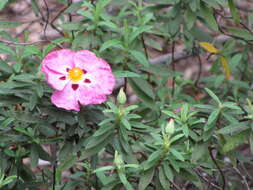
<point>225,66</point>
<point>208,47</point>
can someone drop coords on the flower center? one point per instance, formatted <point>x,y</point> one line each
<point>76,74</point>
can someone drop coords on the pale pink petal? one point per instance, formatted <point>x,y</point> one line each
<point>54,79</point>
<point>88,96</point>
<point>59,61</point>
<point>102,81</point>
<point>66,98</point>
<point>89,61</point>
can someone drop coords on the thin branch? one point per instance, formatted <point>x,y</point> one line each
<point>183,54</point>
<point>70,17</point>
<point>207,181</point>
<point>243,177</point>
<point>10,43</point>
<point>199,70</point>
<point>53,148</point>
<point>46,19</point>
<point>175,185</point>
<point>173,67</point>
<point>144,46</point>
<point>218,167</point>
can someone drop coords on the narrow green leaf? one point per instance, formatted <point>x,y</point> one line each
<point>233,10</point>
<point>8,24</point>
<point>208,16</point>
<point>163,180</point>
<point>177,154</point>
<point>236,140</point>
<point>3,3</point>
<point>213,96</point>
<point>146,178</point>
<point>110,43</point>
<point>140,57</point>
<point>125,74</point>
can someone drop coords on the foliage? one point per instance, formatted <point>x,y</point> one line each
<point>171,138</point>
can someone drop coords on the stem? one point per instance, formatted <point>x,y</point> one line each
<point>218,167</point>
<point>173,67</point>
<point>199,71</point>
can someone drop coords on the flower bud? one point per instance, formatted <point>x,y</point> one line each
<point>169,129</point>
<point>118,161</point>
<point>121,98</point>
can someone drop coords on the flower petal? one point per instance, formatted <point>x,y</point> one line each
<point>87,95</point>
<point>55,79</point>
<point>98,70</point>
<point>66,98</point>
<point>89,61</point>
<point>59,61</point>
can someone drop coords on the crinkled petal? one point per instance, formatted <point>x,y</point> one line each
<point>88,96</point>
<point>89,61</point>
<point>66,98</point>
<point>98,70</point>
<point>54,79</point>
<point>102,82</point>
<point>59,61</point>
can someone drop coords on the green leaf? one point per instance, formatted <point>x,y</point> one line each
<point>96,149</point>
<point>126,123</point>
<point>110,43</point>
<point>152,159</point>
<point>8,24</point>
<point>34,155</point>
<point>213,96</point>
<point>140,57</point>
<point>138,31</point>
<point>125,74</point>
<point>168,171</point>
<point>241,33</point>
<point>212,119</point>
<point>143,91</point>
<point>162,178</point>
<point>233,10</point>
<point>251,142</point>
<point>104,169</point>
<point>5,67</point>
<point>96,140</point>
<point>71,26</point>
<point>199,151</point>
<point>146,178</point>
<point>233,128</point>
<point>3,3</point>
<point>123,179</point>
<point>190,18</point>
<point>208,16</point>
<point>74,7</point>
<point>68,163</point>
<point>6,50</point>
<point>236,140</point>
<point>177,154</point>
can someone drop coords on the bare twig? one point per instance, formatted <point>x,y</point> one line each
<point>199,71</point>
<point>53,148</point>
<point>173,67</point>
<point>183,54</point>
<point>46,19</point>
<point>242,177</point>
<point>10,43</point>
<point>207,181</point>
<point>175,185</point>
<point>218,167</point>
<point>70,17</point>
<point>144,46</point>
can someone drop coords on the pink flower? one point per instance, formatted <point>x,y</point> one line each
<point>78,78</point>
